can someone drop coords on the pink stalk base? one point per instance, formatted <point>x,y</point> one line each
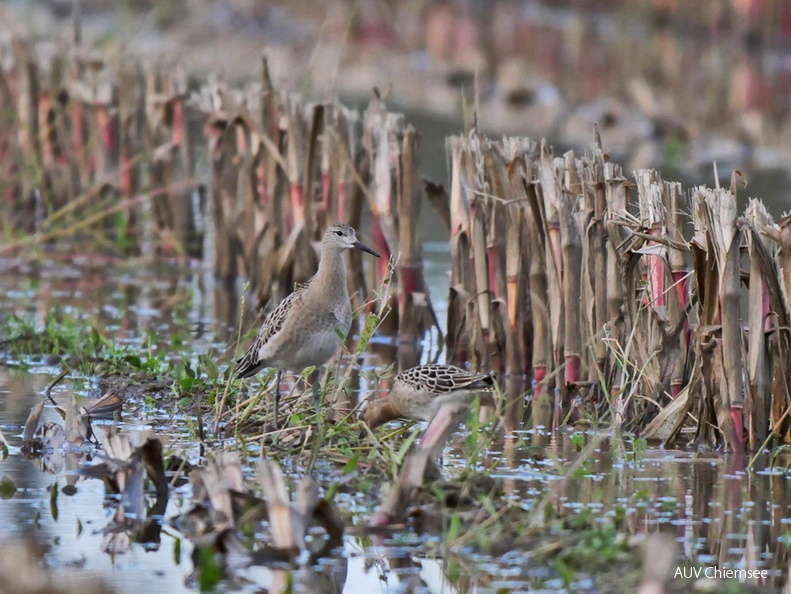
<point>409,279</point>
<point>177,135</point>
<point>737,417</point>
<point>539,373</point>
<point>297,207</point>
<point>658,279</point>
<point>657,267</point>
<point>571,373</point>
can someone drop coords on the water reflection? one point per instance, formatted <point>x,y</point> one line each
<point>719,514</point>
<point>59,506</point>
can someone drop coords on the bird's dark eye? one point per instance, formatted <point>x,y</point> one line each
<point>339,233</point>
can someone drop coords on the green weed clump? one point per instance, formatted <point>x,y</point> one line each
<point>66,340</point>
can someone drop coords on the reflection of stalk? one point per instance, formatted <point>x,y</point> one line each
<point>536,517</point>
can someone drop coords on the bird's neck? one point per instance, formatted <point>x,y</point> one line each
<point>381,411</point>
<point>332,271</point>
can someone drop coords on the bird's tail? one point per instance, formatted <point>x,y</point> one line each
<point>246,366</point>
<point>485,384</point>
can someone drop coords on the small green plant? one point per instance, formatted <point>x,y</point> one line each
<point>578,440</point>
<point>208,568</point>
<point>7,487</point>
<point>639,449</point>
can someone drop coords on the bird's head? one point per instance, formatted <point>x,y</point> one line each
<point>343,237</point>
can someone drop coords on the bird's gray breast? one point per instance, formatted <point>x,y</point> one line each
<point>343,316</point>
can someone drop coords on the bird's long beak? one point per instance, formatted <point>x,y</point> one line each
<point>358,245</point>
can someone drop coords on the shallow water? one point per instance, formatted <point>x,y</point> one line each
<point>719,514</point>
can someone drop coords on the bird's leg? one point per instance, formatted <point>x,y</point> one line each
<point>277,397</point>
<point>316,396</point>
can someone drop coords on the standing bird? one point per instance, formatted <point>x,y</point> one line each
<point>418,393</point>
<point>306,328</point>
